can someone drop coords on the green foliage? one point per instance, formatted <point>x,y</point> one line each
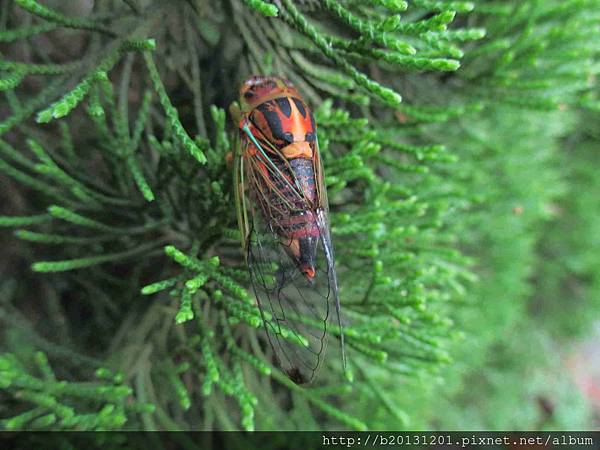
<point>262,7</point>
<point>441,126</point>
<point>52,404</point>
<point>513,161</point>
<point>567,300</point>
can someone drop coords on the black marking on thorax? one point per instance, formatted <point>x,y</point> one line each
<point>300,106</point>
<point>272,118</point>
<point>284,105</point>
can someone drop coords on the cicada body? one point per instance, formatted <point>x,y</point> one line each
<point>283,217</point>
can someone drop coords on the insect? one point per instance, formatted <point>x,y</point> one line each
<point>283,216</point>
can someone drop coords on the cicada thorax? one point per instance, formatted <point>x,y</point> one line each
<point>286,190</point>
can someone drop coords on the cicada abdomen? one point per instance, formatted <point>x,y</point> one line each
<point>283,216</point>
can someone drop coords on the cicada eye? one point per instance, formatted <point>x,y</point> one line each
<point>288,138</point>
<point>310,136</point>
<point>248,94</point>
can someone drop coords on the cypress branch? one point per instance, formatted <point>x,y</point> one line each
<point>262,7</point>
<point>185,140</point>
<point>72,264</point>
<point>49,14</point>
<point>294,17</point>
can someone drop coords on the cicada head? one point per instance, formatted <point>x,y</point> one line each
<point>259,88</point>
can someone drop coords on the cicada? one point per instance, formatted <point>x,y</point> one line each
<point>283,215</point>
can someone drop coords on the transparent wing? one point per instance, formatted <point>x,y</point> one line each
<point>324,225</point>
<point>296,312</point>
